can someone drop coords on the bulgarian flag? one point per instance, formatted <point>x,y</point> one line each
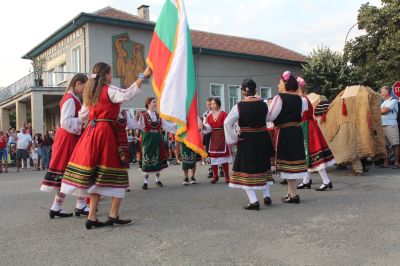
<point>171,59</point>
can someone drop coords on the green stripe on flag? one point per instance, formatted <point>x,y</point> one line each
<point>167,23</point>
<point>191,80</point>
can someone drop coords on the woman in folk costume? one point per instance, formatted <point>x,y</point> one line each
<point>318,154</point>
<point>286,111</point>
<point>95,166</point>
<point>66,138</point>
<point>153,155</point>
<point>218,150</point>
<point>252,166</point>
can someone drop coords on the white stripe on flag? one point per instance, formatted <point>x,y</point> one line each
<point>174,94</point>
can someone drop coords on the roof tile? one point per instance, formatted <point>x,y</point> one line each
<point>220,42</point>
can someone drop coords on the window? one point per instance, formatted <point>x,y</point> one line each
<point>265,92</point>
<point>50,78</point>
<point>76,59</point>
<point>234,95</point>
<point>61,75</point>
<point>217,91</point>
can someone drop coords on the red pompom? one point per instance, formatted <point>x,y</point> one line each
<point>323,117</point>
<point>344,108</point>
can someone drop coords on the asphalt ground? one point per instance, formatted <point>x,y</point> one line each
<point>356,223</point>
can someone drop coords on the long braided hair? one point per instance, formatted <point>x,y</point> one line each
<point>93,86</point>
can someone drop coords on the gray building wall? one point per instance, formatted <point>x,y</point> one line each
<point>101,47</point>
<point>232,71</point>
<point>209,68</point>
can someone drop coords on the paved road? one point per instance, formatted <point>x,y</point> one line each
<point>355,224</point>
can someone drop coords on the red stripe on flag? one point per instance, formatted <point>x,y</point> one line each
<point>159,56</point>
<point>193,138</point>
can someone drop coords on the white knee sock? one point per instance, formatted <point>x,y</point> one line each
<point>157,177</point>
<point>266,192</point>
<point>146,178</point>
<point>252,195</point>
<point>324,176</point>
<point>58,201</point>
<point>307,178</point>
<point>80,202</point>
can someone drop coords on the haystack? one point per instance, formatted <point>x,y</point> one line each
<point>353,127</point>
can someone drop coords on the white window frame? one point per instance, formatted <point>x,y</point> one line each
<point>222,93</point>
<point>78,70</point>
<point>61,74</point>
<point>269,94</point>
<point>229,94</point>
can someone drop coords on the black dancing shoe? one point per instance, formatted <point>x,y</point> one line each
<point>267,201</point>
<point>111,221</point>
<point>89,224</point>
<point>144,186</point>
<point>60,214</point>
<point>289,199</point>
<point>324,187</point>
<point>283,182</point>
<point>159,184</point>
<point>186,182</point>
<point>253,206</point>
<point>79,212</point>
<point>302,185</point>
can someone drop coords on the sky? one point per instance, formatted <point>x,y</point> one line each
<point>300,25</point>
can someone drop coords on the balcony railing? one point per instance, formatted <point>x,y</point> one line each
<point>49,80</point>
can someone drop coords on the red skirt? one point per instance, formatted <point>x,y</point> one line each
<point>64,145</point>
<point>123,145</point>
<point>96,161</point>
<point>319,152</point>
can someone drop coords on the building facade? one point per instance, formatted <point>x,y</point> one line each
<point>122,40</point>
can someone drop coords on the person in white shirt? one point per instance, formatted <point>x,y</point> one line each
<point>389,111</point>
<point>24,140</point>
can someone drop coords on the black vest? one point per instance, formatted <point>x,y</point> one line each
<point>291,109</point>
<point>252,114</point>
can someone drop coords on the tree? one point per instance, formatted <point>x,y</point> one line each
<point>326,72</point>
<point>375,56</point>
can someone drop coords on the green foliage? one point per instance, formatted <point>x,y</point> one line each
<point>326,72</point>
<point>38,67</point>
<point>375,56</point>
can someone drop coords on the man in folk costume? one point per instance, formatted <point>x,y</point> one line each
<point>206,137</point>
<point>219,151</point>
<point>252,166</point>
<point>286,112</point>
<point>153,155</point>
<point>318,154</point>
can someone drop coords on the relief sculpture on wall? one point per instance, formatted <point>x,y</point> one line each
<point>128,59</point>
